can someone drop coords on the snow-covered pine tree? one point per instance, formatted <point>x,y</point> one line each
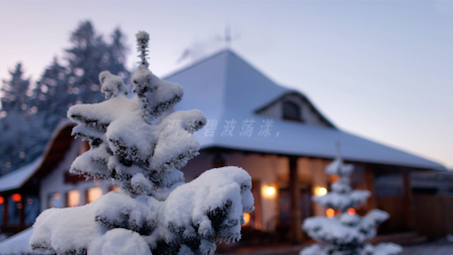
<point>345,233</point>
<point>14,92</point>
<point>19,144</point>
<point>141,143</point>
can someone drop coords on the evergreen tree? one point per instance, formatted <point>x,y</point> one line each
<point>16,140</point>
<point>59,87</point>
<point>14,92</point>
<point>51,95</point>
<point>89,56</point>
<point>141,143</point>
<point>62,86</point>
<point>345,232</point>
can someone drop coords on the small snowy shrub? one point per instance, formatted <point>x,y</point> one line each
<point>140,144</point>
<point>345,233</point>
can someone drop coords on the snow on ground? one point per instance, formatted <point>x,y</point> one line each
<point>429,249</point>
<point>17,244</point>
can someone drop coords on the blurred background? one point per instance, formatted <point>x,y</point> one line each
<point>377,69</point>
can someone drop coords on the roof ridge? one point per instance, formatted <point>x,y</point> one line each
<point>196,63</point>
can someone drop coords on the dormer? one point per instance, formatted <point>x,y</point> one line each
<point>294,106</point>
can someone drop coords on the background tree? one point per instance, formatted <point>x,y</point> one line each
<point>44,105</point>
<point>14,91</point>
<point>18,144</point>
<point>344,232</point>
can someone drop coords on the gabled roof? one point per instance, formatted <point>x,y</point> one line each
<point>17,244</point>
<point>225,81</point>
<point>225,87</point>
<point>16,179</point>
<point>51,157</point>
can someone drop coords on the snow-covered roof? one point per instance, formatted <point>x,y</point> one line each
<point>225,87</point>
<point>17,244</point>
<point>17,178</point>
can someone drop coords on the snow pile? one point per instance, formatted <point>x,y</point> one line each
<point>141,143</point>
<point>345,233</point>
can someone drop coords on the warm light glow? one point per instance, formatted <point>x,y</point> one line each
<point>330,213</point>
<point>351,211</point>
<point>56,195</point>
<point>16,197</point>
<point>2,200</point>
<point>246,218</point>
<point>320,191</point>
<point>269,191</point>
<point>94,193</point>
<point>73,198</point>
<point>115,188</point>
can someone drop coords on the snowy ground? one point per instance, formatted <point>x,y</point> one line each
<point>429,249</point>
<point>441,248</point>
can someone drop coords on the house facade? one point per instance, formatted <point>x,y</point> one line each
<point>275,133</point>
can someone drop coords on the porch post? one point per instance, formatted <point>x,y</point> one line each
<point>408,201</point>
<point>295,214</point>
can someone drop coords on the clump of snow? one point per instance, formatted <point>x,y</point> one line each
<point>54,230</point>
<point>141,143</point>
<point>121,241</point>
<point>111,85</point>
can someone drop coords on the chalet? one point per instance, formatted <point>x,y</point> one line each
<point>275,133</point>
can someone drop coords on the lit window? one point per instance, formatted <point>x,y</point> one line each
<point>351,211</point>
<point>54,200</point>
<point>246,218</point>
<point>115,188</point>
<point>268,191</point>
<point>73,198</point>
<point>330,213</point>
<point>93,194</point>
<point>320,191</point>
<point>16,197</point>
<point>2,200</point>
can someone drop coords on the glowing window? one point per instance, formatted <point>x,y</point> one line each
<point>268,191</point>
<point>351,211</point>
<point>73,198</point>
<point>93,194</point>
<point>246,218</point>
<point>16,197</point>
<point>54,200</point>
<point>115,188</point>
<point>320,191</point>
<point>330,213</point>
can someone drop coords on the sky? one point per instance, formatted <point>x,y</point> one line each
<point>379,69</point>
